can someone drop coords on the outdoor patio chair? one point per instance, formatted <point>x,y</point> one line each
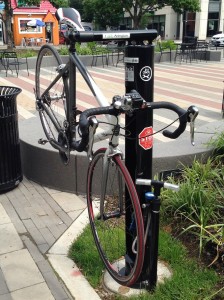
<point>164,50</point>
<point>10,61</point>
<point>183,52</point>
<point>115,53</point>
<point>201,51</point>
<point>98,52</point>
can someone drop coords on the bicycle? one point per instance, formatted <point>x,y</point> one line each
<point>113,204</point>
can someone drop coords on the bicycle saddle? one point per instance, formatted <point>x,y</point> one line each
<point>70,17</point>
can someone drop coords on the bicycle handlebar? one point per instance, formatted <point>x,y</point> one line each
<point>183,118</point>
<point>84,122</point>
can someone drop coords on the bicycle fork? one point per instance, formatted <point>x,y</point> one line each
<point>111,151</point>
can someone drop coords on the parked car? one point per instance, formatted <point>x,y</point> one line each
<point>63,33</point>
<point>87,28</point>
<point>63,38</point>
<point>218,40</point>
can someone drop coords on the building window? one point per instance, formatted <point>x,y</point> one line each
<point>158,23</point>
<point>23,28</point>
<point>190,24</point>
<point>213,17</point>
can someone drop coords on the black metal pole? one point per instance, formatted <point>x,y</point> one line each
<point>184,25</point>
<point>139,75</point>
<point>154,242</point>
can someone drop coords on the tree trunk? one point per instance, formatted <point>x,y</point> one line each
<point>7,19</point>
<point>9,32</point>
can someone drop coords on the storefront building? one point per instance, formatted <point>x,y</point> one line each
<point>23,14</point>
<point>203,24</point>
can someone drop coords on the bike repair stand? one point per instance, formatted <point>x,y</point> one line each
<point>139,75</point>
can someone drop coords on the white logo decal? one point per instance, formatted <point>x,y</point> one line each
<point>119,35</point>
<point>145,73</point>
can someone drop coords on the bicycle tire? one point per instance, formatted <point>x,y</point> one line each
<point>52,105</point>
<point>111,243</point>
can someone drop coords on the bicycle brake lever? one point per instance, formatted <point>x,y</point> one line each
<point>192,114</point>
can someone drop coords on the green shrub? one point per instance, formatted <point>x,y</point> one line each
<point>63,50</point>
<point>169,44</point>
<point>199,202</point>
<point>26,53</point>
<point>217,143</point>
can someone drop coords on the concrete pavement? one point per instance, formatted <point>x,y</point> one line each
<point>38,224</point>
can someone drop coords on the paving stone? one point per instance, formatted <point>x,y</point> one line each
<point>34,217</point>
<point>36,235</point>
<point>51,202</point>
<point>22,200</point>
<point>74,214</point>
<point>68,202</point>
<point>50,220</point>
<point>6,297</point>
<point>64,217</point>
<point>62,227</point>
<point>10,241</point>
<point>56,231</point>
<point>43,248</point>
<point>24,190</point>
<point>45,205</point>
<point>3,286</point>
<point>55,286</point>
<point>3,198</point>
<point>4,218</point>
<point>20,228</point>
<point>10,210</point>
<point>33,250</point>
<point>27,183</point>
<point>17,205</point>
<point>38,188</point>
<point>44,266</point>
<point>38,209</point>
<point>47,235</point>
<point>34,197</point>
<point>20,270</point>
<point>29,224</point>
<point>35,292</point>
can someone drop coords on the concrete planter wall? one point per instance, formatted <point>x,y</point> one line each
<point>212,55</point>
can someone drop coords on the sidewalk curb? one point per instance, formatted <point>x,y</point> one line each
<point>77,284</point>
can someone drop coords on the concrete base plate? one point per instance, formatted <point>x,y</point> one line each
<point>112,286</point>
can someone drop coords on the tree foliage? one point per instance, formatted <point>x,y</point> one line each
<point>103,12</point>
<point>108,11</point>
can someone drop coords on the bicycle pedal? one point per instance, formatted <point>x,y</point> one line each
<point>42,141</point>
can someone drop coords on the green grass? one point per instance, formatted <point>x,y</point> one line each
<point>189,281</point>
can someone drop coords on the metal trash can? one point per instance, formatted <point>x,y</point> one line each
<point>10,159</point>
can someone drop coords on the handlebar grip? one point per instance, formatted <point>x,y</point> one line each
<point>183,118</point>
<point>84,124</point>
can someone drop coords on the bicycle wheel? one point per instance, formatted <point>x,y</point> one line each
<point>52,99</point>
<point>117,230</point>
